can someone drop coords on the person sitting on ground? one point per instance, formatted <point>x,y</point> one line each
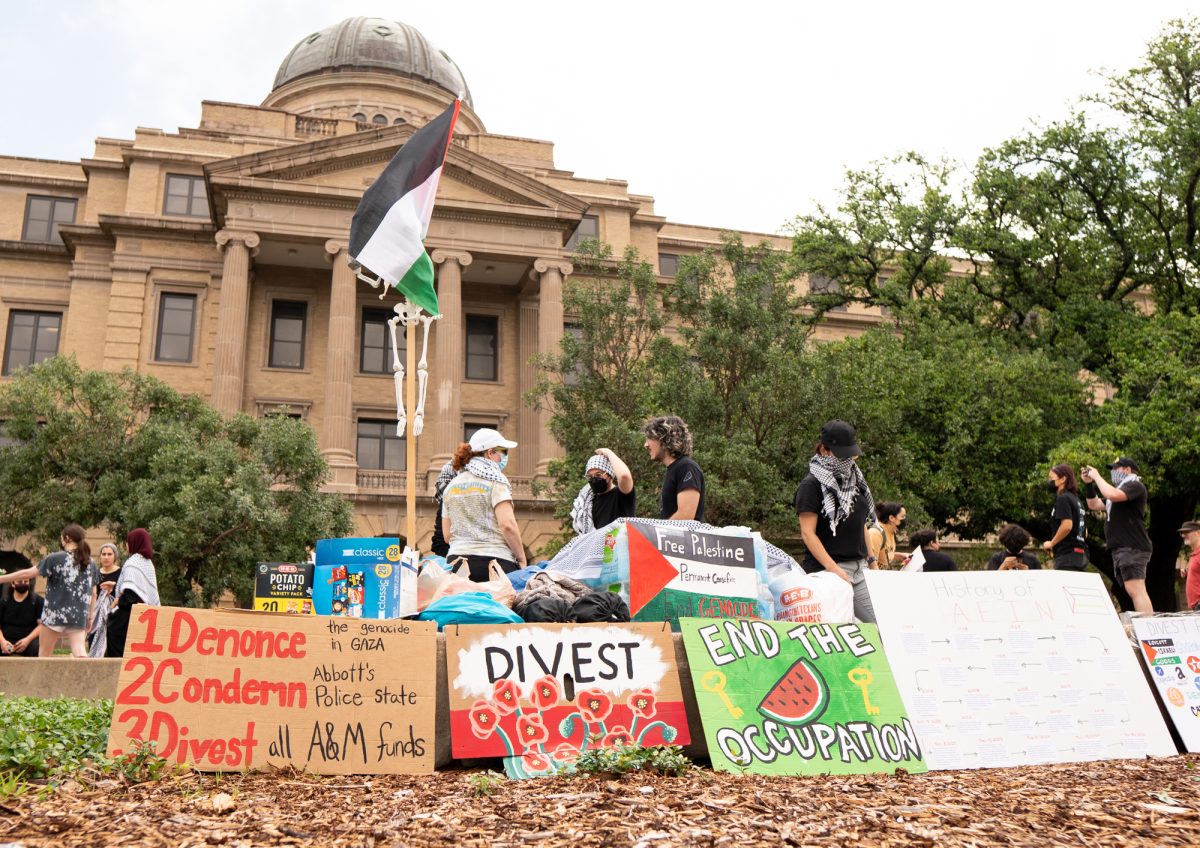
<point>477,507</point>
<point>70,581</point>
<point>881,535</point>
<point>20,610</point>
<point>1014,538</point>
<point>138,584</point>
<point>935,560</point>
<point>607,495</point>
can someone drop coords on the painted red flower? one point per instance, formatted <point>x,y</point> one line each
<point>594,705</point>
<point>507,695</point>
<point>565,753</point>
<point>484,718</point>
<point>531,729</point>
<point>545,693</point>
<point>617,736</point>
<point>535,762</point>
<point>643,703</point>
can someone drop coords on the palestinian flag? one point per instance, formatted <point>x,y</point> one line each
<point>387,234</point>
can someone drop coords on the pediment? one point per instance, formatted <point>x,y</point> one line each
<point>352,163</point>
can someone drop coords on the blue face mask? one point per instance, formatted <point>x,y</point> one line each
<point>503,461</point>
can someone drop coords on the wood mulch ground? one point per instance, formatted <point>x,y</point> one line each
<point>1114,803</point>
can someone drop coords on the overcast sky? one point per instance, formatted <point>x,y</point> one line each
<point>738,115</point>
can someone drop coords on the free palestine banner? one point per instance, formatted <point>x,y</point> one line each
<point>784,698</point>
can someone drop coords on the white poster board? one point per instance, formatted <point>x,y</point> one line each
<point>1015,668</point>
<point>1171,647</point>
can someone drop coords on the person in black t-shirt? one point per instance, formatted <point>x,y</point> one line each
<point>607,495</point>
<point>1125,527</point>
<point>835,508</point>
<point>1014,557</point>
<point>1068,545</point>
<point>20,611</point>
<point>935,560</point>
<point>669,442</point>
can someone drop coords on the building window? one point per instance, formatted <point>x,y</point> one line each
<point>589,228</point>
<point>380,120</point>
<point>185,196</point>
<point>470,429</point>
<point>379,446</point>
<point>288,318</point>
<point>32,337</point>
<point>820,284</point>
<point>398,121</point>
<point>359,117</point>
<point>176,326</point>
<point>482,331</point>
<point>374,356</point>
<point>43,215</point>
<point>668,264</point>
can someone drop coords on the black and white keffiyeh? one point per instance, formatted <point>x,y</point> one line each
<point>581,510</point>
<point>138,574</point>
<point>840,481</point>
<point>487,469</point>
<point>443,480</point>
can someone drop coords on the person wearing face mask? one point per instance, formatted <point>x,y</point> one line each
<point>1068,545</point>
<point>881,536</point>
<point>835,507</point>
<point>20,610</point>
<point>607,495</point>
<point>477,507</point>
<point>1125,533</point>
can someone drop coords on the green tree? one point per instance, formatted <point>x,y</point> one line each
<point>126,450</point>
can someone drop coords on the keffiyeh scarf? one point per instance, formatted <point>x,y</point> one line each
<point>581,510</point>
<point>840,481</point>
<point>487,469</point>
<point>443,480</point>
<point>138,574</point>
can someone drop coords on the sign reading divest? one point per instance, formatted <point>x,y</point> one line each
<point>675,572</point>
<point>538,694</point>
<point>284,587</point>
<point>1171,648</point>
<point>783,698</point>
<point>226,690</point>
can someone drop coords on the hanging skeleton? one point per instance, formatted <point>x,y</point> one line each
<point>408,313</point>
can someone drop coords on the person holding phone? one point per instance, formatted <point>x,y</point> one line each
<point>1124,506</point>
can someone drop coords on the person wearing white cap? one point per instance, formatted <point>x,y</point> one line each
<point>607,495</point>
<point>477,507</point>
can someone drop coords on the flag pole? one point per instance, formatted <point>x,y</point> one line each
<point>410,406</point>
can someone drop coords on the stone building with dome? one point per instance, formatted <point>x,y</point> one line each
<point>214,258</point>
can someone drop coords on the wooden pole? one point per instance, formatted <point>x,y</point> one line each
<point>410,441</point>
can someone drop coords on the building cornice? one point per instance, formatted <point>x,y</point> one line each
<point>74,183</point>
<point>35,250</point>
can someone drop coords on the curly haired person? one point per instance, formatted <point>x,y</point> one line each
<point>670,442</point>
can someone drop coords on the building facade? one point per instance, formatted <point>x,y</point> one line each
<point>215,259</point>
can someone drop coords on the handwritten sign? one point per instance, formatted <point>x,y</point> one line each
<point>1171,648</point>
<point>283,587</point>
<point>784,698</point>
<point>1009,668</point>
<point>539,694</point>
<point>226,691</point>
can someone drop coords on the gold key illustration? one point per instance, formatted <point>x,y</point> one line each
<point>714,681</point>
<point>862,677</point>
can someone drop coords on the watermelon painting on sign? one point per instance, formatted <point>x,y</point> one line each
<point>539,694</point>
<point>785,698</point>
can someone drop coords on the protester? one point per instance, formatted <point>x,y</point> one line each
<point>931,548</point>
<point>438,543</point>
<point>1125,526</point>
<point>478,518</point>
<point>70,580</point>
<point>1014,538</point>
<point>1069,543</point>
<point>881,535</point>
<point>102,598</point>
<point>1190,531</point>
<point>607,495</point>
<point>20,610</point>
<point>138,584</point>
<point>670,442</point>
<point>834,505</point>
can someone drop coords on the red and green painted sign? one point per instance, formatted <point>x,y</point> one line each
<point>539,694</point>
<point>785,698</point>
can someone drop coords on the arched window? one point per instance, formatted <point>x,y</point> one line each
<point>380,120</point>
<point>360,117</point>
<point>398,121</point>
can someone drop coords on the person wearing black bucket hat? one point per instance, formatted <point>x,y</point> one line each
<point>835,508</point>
<point>1125,533</point>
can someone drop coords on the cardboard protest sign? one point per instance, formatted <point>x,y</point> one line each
<point>226,690</point>
<point>1170,646</point>
<point>283,587</point>
<point>1009,668</point>
<point>538,694</point>
<point>675,572</point>
<point>784,698</point>
<point>364,578</point>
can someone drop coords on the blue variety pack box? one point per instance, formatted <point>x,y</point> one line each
<point>387,579</point>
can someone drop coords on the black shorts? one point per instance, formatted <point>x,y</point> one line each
<point>1074,561</point>
<point>1130,563</point>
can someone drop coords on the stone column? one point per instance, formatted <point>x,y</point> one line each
<point>229,365</point>
<point>337,428</point>
<point>550,331</point>
<point>447,360</point>
<point>527,454</point>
